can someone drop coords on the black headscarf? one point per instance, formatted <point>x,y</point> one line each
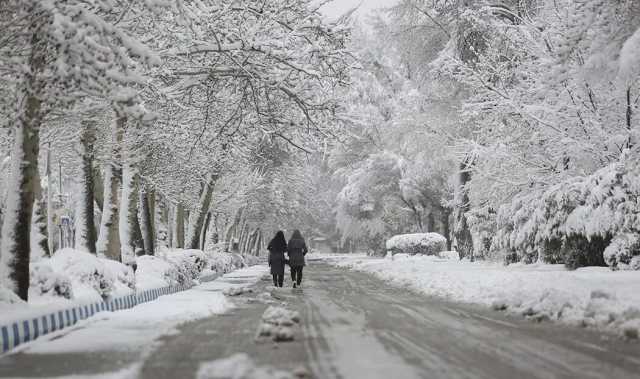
<point>296,236</point>
<point>278,243</point>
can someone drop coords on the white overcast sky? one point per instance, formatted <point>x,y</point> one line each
<point>339,7</point>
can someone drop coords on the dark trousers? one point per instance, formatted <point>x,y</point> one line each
<point>278,280</point>
<point>296,274</point>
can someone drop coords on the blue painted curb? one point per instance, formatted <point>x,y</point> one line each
<point>18,332</point>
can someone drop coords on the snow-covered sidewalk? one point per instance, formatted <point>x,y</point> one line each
<point>592,296</point>
<point>135,330</point>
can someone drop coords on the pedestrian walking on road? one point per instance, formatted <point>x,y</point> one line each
<point>296,249</point>
<point>277,247</point>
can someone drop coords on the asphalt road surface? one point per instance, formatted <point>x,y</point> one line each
<point>355,326</point>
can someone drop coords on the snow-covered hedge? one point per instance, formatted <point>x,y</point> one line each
<point>45,282</point>
<point>178,266</point>
<point>189,263</point>
<point>417,243</point>
<point>575,221</point>
<point>74,274</point>
<point>221,262</point>
<point>624,252</point>
<point>155,272</point>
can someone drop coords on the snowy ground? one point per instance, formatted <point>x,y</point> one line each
<point>591,296</point>
<point>135,330</point>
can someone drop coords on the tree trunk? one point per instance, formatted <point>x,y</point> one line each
<point>445,226</point>
<point>252,242</point>
<point>258,246</point>
<point>431,222</point>
<point>5,172</point>
<point>164,224</point>
<point>233,230</point>
<point>203,236</point>
<point>245,242</point>
<point>109,238</point>
<point>172,227</point>
<point>39,241</point>
<point>197,217</point>
<point>462,232</point>
<point>15,242</point>
<point>146,221</point>
<point>228,235</point>
<point>136,231</point>
<point>85,222</point>
<point>214,235</point>
<point>151,199</point>
<point>98,187</point>
<point>178,229</point>
<point>128,217</point>
<point>242,236</point>
<point>50,226</point>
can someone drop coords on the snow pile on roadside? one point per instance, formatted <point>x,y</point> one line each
<point>590,296</point>
<point>416,243</point>
<point>280,316</point>
<point>237,291</point>
<point>73,274</point>
<point>239,366</point>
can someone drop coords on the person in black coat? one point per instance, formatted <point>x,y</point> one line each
<point>296,249</point>
<point>277,247</point>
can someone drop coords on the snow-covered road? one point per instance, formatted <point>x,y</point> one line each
<point>352,326</point>
<point>371,330</point>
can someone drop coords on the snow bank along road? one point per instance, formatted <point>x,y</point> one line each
<point>352,326</point>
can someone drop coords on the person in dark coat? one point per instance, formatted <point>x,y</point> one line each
<point>296,249</point>
<point>277,247</point>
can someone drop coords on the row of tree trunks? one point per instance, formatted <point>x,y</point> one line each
<point>241,237</point>
<point>230,233</point>
<point>257,247</point>
<point>245,242</point>
<point>126,226</point>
